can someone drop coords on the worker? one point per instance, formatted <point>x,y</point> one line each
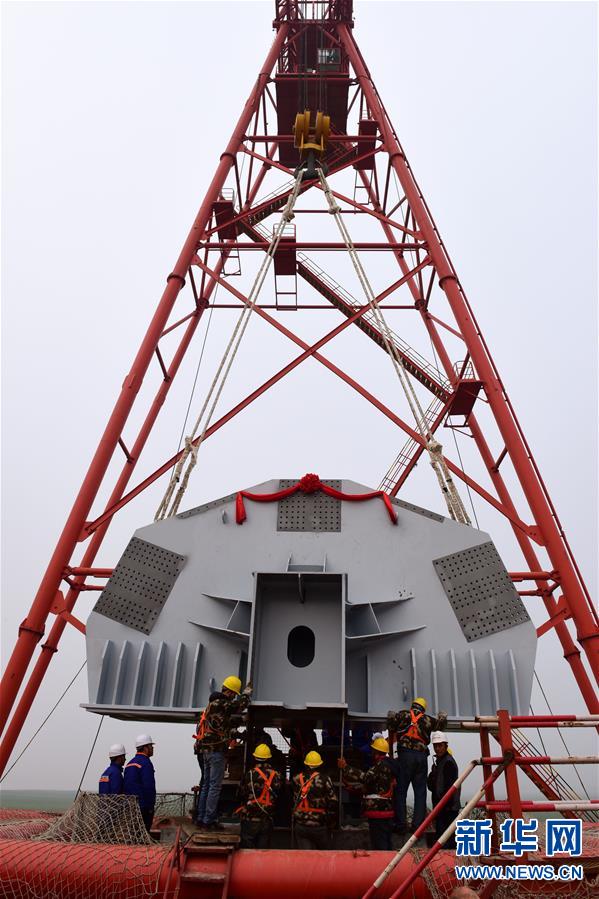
<point>377,786</point>
<point>362,740</point>
<point>302,739</point>
<point>139,779</point>
<point>315,805</point>
<point>278,759</point>
<point>444,774</point>
<point>111,781</point>
<point>214,732</point>
<point>258,791</point>
<point>413,728</point>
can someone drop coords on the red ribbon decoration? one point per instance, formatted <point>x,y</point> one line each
<point>310,483</point>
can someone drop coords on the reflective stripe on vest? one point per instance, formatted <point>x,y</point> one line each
<point>413,731</point>
<point>303,805</point>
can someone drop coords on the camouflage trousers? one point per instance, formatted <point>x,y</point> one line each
<point>256,834</point>
<point>312,837</point>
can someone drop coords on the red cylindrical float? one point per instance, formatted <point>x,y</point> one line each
<point>73,870</point>
<point>67,870</point>
<point>23,829</point>
<point>297,874</point>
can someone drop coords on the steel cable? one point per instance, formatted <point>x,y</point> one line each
<point>55,706</point>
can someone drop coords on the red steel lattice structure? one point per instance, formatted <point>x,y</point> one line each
<point>315,63</point>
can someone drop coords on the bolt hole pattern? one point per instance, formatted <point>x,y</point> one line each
<point>140,585</point>
<point>480,591</point>
<point>309,511</point>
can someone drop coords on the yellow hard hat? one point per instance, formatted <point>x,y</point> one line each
<point>262,751</point>
<point>420,701</point>
<point>232,683</point>
<point>313,760</point>
<point>380,745</point>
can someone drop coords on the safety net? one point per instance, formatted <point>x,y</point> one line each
<point>441,880</point>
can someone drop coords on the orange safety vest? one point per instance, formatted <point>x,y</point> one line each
<point>204,727</point>
<point>303,804</point>
<point>265,797</point>
<point>413,731</point>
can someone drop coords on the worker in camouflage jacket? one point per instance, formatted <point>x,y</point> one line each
<point>413,728</point>
<point>258,792</point>
<point>214,732</point>
<point>315,805</point>
<point>377,786</point>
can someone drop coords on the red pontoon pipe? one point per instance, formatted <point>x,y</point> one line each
<point>95,871</point>
<point>64,870</point>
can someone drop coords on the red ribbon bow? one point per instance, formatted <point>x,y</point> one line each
<point>310,483</point>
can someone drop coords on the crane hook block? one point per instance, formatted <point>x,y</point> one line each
<point>311,137</point>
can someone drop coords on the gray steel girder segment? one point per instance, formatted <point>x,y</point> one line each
<point>373,333</point>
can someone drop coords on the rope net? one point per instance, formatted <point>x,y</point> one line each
<point>49,870</point>
<point>24,829</point>
<point>23,814</point>
<point>173,805</point>
<point>441,881</point>
<point>22,823</point>
<point>100,819</point>
<point>58,857</point>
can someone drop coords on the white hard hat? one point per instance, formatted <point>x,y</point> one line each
<point>377,736</point>
<point>143,740</point>
<point>116,749</point>
<point>438,736</point>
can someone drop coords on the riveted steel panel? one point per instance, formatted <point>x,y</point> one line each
<point>140,585</point>
<point>309,511</point>
<point>480,591</point>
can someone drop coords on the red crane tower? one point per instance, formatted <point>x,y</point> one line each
<point>315,66</point>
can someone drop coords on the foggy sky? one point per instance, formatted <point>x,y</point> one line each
<point>114,117</point>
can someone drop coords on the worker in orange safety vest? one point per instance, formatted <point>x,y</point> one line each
<point>413,728</point>
<point>258,791</point>
<point>315,805</point>
<point>377,787</point>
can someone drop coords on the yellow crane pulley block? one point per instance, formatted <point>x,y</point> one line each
<point>307,137</point>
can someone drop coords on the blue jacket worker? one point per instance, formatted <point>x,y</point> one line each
<point>139,778</point>
<point>111,781</point>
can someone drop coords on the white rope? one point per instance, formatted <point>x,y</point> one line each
<point>192,445</point>
<point>453,500</point>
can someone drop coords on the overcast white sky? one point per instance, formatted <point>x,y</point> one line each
<point>114,117</point>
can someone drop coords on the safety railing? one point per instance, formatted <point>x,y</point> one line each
<point>406,453</point>
<point>548,779</point>
<point>405,349</point>
<point>502,726</point>
<point>314,10</point>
